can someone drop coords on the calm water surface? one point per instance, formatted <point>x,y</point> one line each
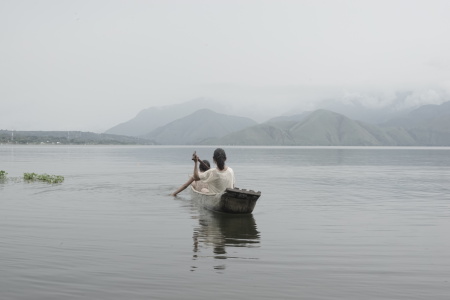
<point>332,223</point>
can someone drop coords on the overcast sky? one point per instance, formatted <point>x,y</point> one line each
<point>88,65</point>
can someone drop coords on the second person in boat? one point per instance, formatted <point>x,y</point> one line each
<point>217,179</point>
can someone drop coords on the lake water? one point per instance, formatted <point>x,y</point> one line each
<point>332,223</point>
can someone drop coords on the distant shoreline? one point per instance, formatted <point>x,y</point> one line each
<point>56,138</point>
<point>68,138</point>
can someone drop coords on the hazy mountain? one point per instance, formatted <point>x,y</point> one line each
<point>427,116</point>
<point>377,108</point>
<point>289,119</point>
<point>154,117</point>
<point>320,128</point>
<point>329,128</point>
<point>356,110</point>
<point>429,124</point>
<point>199,126</point>
<point>265,134</point>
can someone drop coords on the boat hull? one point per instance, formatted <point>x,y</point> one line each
<point>232,201</point>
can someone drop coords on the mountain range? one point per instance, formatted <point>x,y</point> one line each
<point>428,125</point>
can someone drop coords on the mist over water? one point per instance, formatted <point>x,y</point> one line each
<point>332,223</point>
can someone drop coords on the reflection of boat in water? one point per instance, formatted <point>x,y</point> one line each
<point>221,231</point>
<point>233,201</point>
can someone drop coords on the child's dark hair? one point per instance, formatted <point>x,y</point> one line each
<point>202,167</point>
<point>220,157</point>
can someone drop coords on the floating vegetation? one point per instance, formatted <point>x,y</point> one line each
<point>43,177</point>
<point>3,175</point>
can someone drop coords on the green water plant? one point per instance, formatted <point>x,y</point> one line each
<point>43,177</point>
<point>29,176</point>
<point>3,174</point>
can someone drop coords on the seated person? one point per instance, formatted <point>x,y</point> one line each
<point>197,185</point>
<point>218,179</point>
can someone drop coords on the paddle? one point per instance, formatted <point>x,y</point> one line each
<point>198,159</point>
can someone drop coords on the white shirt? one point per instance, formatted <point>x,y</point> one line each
<point>218,180</point>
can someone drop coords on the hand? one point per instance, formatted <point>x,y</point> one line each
<point>195,157</point>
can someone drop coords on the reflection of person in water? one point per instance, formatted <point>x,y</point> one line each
<point>221,231</point>
<point>198,185</point>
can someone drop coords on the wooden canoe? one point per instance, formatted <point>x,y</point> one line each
<point>232,201</point>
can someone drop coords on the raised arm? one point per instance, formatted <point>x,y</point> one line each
<point>195,159</point>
